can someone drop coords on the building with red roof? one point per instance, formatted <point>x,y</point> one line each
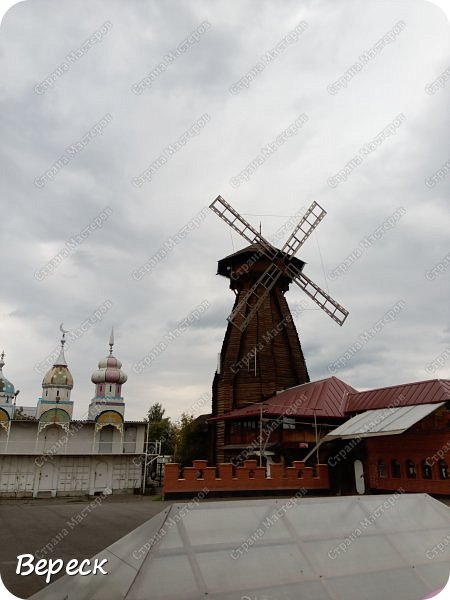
<point>381,439</point>
<point>284,427</point>
<point>398,437</point>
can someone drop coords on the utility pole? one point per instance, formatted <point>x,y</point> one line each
<point>147,429</point>
<point>260,433</point>
<point>315,430</point>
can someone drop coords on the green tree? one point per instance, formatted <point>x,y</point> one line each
<point>190,441</point>
<point>160,428</point>
<point>156,412</point>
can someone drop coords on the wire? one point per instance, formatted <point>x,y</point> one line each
<point>231,237</point>
<point>321,261</point>
<point>283,216</point>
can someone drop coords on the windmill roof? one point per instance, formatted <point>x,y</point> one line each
<point>249,252</point>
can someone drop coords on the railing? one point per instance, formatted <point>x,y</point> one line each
<point>58,447</point>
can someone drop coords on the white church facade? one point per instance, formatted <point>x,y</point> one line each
<point>45,452</point>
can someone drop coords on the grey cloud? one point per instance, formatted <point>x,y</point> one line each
<point>36,129</point>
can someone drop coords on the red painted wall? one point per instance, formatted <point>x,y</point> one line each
<point>414,446</point>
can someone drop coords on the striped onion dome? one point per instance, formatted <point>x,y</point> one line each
<point>109,369</point>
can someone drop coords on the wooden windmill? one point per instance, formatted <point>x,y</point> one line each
<point>261,351</point>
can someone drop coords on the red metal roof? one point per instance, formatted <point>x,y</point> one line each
<point>326,398</point>
<point>407,394</point>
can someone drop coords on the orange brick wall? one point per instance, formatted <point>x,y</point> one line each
<point>250,477</point>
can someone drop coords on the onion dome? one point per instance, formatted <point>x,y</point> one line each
<point>7,390</point>
<point>59,375</point>
<point>109,369</point>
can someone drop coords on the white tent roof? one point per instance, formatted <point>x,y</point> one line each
<point>345,548</point>
<point>383,421</point>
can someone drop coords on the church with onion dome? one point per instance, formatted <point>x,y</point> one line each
<point>45,452</point>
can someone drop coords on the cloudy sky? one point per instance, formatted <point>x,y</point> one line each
<point>54,185</point>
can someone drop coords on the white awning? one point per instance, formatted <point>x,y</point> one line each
<point>383,421</point>
<point>344,548</point>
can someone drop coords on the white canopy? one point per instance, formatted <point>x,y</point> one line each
<point>383,421</point>
<point>345,548</point>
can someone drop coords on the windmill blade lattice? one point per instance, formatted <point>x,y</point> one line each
<point>306,226</point>
<point>248,307</point>
<point>281,264</point>
<point>227,213</point>
<point>333,309</point>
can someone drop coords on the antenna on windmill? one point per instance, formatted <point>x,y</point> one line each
<point>281,263</point>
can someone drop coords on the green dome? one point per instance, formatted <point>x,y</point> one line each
<point>58,375</point>
<point>7,390</point>
<point>6,387</point>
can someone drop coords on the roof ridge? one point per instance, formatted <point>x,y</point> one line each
<point>388,387</point>
<point>308,383</point>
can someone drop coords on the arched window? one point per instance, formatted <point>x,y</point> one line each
<point>106,440</point>
<point>382,473</point>
<point>396,468</point>
<point>51,439</point>
<point>443,469</point>
<point>410,469</point>
<point>427,472</point>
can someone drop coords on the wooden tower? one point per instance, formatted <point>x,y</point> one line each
<point>261,352</point>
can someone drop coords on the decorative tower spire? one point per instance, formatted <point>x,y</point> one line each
<point>61,360</point>
<point>111,341</point>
